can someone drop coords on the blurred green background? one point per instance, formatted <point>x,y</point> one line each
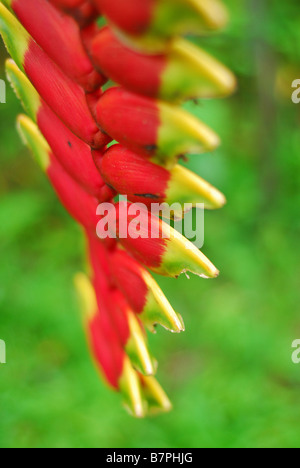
<point>230,375</point>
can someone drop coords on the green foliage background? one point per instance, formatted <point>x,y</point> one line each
<point>230,375</point>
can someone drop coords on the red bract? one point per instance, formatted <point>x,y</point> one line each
<point>59,36</point>
<point>145,182</point>
<point>134,16</point>
<point>135,71</point>
<point>129,330</point>
<point>128,277</point>
<point>81,206</point>
<point>130,119</point>
<point>151,24</point>
<point>73,153</point>
<point>182,72</point>
<point>151,184</point>
<point>152,241</point>
<point>121,219</point>
<point>159,131</point>
<point>142,293</point>
<point>106,348</point>
<point>65,97</point>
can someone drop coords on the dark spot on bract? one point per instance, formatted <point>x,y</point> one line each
<point>147,195</point>
<point>183,157</point>
<point>151,148</point>
<point>111,187</point>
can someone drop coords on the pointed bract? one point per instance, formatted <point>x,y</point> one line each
<point>103,352</point>
<point>154,129</point>
<point>142,292</point>
<point>14,36</point>
<point>129,330</point>
<point>80,205</point>
<point>59,36</point>
<point>150,23</point>
<point>155,397</point>
<point>137,348</point>
<point>65,97</point>
<point>131,389</point>
<point>183,72</point>
<point>33,139</point>
<point>153,242</point>
<point>74,155</point>
<point>23,89</point>
<point>148,183</point>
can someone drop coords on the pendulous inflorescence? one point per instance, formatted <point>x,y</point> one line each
<point>102,83</point>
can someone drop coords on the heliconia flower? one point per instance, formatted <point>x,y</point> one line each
<point>142,292</point>
<point>154,243</point>
<point>62,57</point>
<point>81,205</point>
<point>128,328</point>
<point>141,394</point>
<point>146,182</point>
<point>183,72</point>
<point>74,155</point>
<point>152,21</point>
<point>63,95</point>
<point>59,36</point>
<point>155,129</point>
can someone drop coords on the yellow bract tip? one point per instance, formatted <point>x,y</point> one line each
<point>35,141</point>
<point>86,295</point>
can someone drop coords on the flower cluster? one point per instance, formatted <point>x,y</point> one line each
<point>104,118</point>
